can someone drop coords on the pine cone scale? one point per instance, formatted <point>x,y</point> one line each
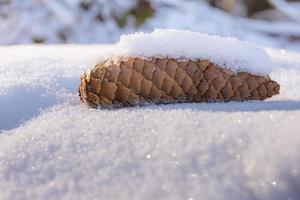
<point>138,81</point>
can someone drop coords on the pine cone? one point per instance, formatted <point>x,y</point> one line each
<point>138,81</point>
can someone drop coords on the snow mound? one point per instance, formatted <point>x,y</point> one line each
<point>183,44</point>
<point>52,147</point>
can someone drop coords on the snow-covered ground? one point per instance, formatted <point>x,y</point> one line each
<point>53,147</point>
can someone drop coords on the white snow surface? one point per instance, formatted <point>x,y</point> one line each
<point>53,147</point>
<point>235,54</point>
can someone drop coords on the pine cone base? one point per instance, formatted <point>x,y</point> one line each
<point>137,81</point>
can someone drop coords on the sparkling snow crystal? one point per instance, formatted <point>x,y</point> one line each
<point>56,148</point>
<point>181,44</point>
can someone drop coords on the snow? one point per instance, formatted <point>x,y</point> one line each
<point>199,16</point>
<point>67,22</point>
<point>183,44</point>
<point>291,10</point>
<point>38,77</point>
<point>53,147</point>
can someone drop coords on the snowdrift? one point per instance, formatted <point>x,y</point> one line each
<point>52,147</point>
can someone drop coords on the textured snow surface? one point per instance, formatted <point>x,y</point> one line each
<point>183,44</point>
<point>52,147</point>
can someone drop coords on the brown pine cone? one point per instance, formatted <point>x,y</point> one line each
<point>137,81</point>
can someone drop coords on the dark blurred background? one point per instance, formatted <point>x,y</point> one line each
<point>244,7</point>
